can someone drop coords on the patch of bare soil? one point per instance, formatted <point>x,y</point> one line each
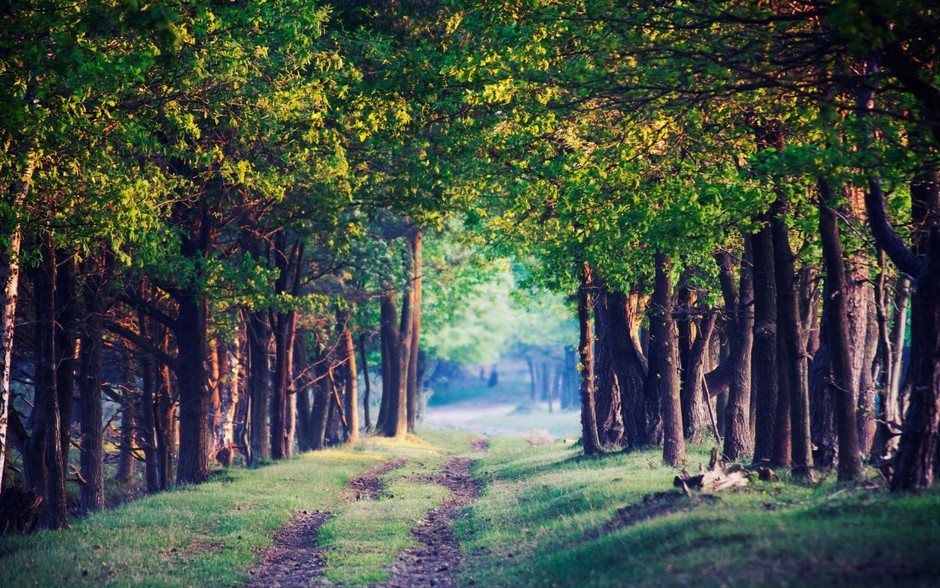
<point>480,444</point>
<point>295,559</point>
<point>436,559</point>
<point>369,486</point>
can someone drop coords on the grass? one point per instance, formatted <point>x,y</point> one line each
<point>204,535</point>
<point>363,538</point>
<point>544,519</point>
<point>542,522</point>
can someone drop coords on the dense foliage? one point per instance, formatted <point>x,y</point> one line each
<point>216,207</point>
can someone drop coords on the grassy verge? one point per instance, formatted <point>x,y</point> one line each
<point>200,536</point>
<point>544,520</point>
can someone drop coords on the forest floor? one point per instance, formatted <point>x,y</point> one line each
<point>450,509</point>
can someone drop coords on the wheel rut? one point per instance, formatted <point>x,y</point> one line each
<point>436,560</point>
<point>370,486</point>
<point>296,558</point>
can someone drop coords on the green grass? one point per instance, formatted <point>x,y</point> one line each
<point>204,535</point>
<point>541,520</point>
<point>363,538</point>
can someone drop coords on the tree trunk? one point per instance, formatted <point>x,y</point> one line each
<point>663,379</point>
<point>533,383</point>
<point>242,415</point>
<point>738,303</point>
<point>390,358</point>
<point>259,336</point>
<point>126,461</point>
<point>589,434</point>
<point>764,352</point>
<point>397,423</point>
<point>687,325</point>
<point>45,471</point>
<point>351,400</point>
<point>91,459</point>
<point>321,402</point>
<point>607,400</point>
<point>629,364</point>
<point>303,379</point>
<point>192,342</point>
<point>414,383</point>
<point>281,441</point>
<point>147,431</point>
<point>392,392</point>
<point>215,397</point>
<point>10,244</point>
<point>166,420</point>
<point>367,393</point>
<point>917,459</point>
<point>66,320</point>
<point>917,453</point>
<point>694,414</point>
<point>888,431</point>
<point>809,309</point>
<point>792,368</point>
<point>836,310</point>
<point>334,415</point>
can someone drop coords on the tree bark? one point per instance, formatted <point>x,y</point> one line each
<point>259,387</point>
<point>607,384</point>
<point>693,412</point>
<point>351,399</point>
<point>303,378</point>
<point>414,383</point>
<point>91,459</point>
<point>10,244</point>
<point>738,303</point>
<point>392,391</point>
<point>321,401</point>
<point>45,463</point>
<point>389,336</point>
<point>663,379</point>
<point>917,460</point>
<point>126,461</point>
<point>147,431</point>
<point>629,364</point>
<point>281,442</point>
<point>367,393</point>
<point>589,434</point>
<point>889,429</point>
<point>66,320</point>
<point>839,338</point>
<point>397,423</point>
<point>192,342</point>
<point>764,351</point>
<point>792,367</point>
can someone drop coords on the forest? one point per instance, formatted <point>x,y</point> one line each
<point>707,226</point>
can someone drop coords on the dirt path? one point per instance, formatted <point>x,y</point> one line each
<point>436,559</point>
<point>370,486</point>
<point>296,558</point>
